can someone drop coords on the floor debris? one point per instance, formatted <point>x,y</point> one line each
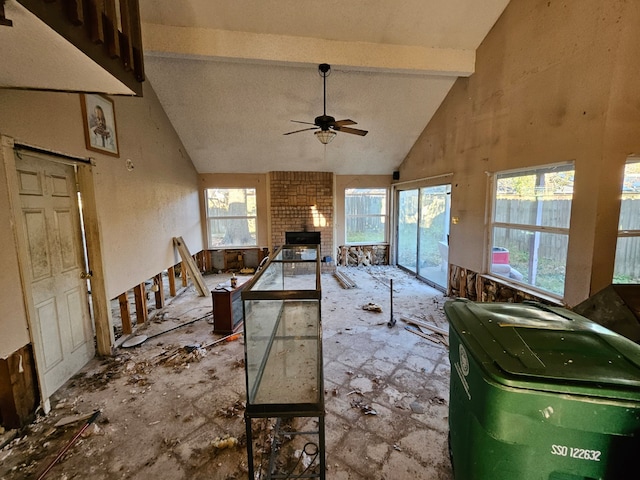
<point>365,408</point>
<point>234,410</point>
<point>73,419</point>
<point>224,442</point>
<point>372,307</point>
<point>426,325</point>
<point>69,444</point>
<point>433,338</point>
<point>160,422</point>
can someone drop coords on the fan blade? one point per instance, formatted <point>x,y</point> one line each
<point>341,123</point>
<point>306,123</point>
<point>303,130</point>
<point>354,131</point>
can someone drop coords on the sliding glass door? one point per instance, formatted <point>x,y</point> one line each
<point>408,229</point>
<point>423,232</point>
<point>433,251</point>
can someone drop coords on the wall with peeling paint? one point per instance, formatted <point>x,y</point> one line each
<point>555,81</point>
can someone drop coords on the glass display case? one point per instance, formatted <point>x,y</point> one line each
<point>283,345</point>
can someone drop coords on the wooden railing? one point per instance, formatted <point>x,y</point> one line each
<point>108,31</point>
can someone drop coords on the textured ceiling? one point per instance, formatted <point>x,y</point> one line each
<point>231,76</point>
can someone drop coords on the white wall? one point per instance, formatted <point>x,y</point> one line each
<point>139,210</point>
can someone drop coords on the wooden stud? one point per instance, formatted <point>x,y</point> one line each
<point>209,262</point>
<point>463,283</point>
<point>100,298</point>
<point>171,274</point>
<point>140,295</point>
<point>160,292</point>
<point>183,274</point>
<point>125,312</point>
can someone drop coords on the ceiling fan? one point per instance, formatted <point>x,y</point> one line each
<point>327,125</point>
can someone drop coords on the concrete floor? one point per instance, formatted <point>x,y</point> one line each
<point>166,405</point>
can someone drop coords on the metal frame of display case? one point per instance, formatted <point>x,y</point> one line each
<point>277,282</point>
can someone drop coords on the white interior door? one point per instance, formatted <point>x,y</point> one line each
<point>60,323</point>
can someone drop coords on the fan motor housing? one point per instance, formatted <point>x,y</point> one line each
<point>324,121</point>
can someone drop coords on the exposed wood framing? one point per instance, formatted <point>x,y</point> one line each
<point>171,274</point>
<point>100,300</point>
<point>140,294</point>
<point>183,274</point>
<point>160,292</point>
<point>466,283</point>
<point>359,255</point>
<point>125,313</point>
<point>18,388</point>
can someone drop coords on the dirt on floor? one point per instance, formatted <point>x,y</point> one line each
<point>173,406</point>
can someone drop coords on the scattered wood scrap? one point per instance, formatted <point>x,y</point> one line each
<point>364,407</point>
<point>344,280</point>
<point>73,419</point>
<point>438,335</point>
<point>372,307</point>
<point>428,326</point>
<point>426,336</point>
<point>195,273</point>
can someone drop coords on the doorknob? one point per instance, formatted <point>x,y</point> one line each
<point>86,275</point>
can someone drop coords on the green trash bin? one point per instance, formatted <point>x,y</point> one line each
<point>540,393</point>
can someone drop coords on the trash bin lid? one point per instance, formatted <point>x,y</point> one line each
<point>534,342</point>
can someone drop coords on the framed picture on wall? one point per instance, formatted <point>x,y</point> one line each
<point>99,119</point>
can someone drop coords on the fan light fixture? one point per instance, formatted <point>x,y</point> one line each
<point>325,136</point>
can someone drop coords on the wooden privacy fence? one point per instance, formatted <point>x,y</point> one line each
<point>556,212</point>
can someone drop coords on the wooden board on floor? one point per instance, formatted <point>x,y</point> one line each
<point>187,260</point>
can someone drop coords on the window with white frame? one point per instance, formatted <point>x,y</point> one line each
<point>231,217</point>
<point>530,226</point>
<point>627,266</point>
<point>366,215</point>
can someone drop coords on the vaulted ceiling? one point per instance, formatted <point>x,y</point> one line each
<point>231,75</point>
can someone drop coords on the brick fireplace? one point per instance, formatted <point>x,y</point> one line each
<point>302,202</point>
